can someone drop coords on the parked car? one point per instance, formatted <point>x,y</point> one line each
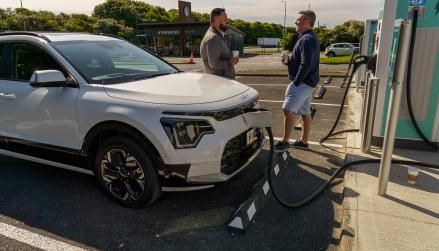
<point>100,105</point>
<point>341,49</point>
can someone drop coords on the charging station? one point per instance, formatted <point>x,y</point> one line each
<point>367,47</point>
<point>424,71</point>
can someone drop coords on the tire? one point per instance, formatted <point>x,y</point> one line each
<point>126,171</point>
<point>331,54</point>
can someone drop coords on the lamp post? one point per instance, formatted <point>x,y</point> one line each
<point>24,20</point>
<point>285,16</point>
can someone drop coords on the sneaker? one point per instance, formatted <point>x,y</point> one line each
<point>281,146</point>
<point>299,144</point>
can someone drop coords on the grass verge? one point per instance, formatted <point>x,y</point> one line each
<point>335,60</point>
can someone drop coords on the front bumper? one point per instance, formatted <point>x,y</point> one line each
<point>220,156</point>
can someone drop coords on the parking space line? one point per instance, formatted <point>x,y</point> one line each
<point>281,101</point>
<point>311,143</point>
<point>35,240</point>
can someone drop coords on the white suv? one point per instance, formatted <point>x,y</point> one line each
<point>98,104</point>
<point>341,49</point>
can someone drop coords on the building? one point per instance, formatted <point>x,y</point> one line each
<point>184,37</point>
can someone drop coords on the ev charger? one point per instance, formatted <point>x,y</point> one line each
<point>367,47</point>
<point>425,71</point>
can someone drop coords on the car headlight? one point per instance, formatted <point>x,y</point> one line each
<point>186,133</point>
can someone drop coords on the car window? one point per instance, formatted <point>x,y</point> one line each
<point>25,58</point>
<point>111,62</point>
<point>3,67</point>
<point>338,46</point>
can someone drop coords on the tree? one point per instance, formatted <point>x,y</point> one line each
<point>287,42</point>
<point>173,14</point>
<point>111,26</point>
<point>200,17</point>
<point>80,23</point>
<point>131,12</point>
<point>119,17</point>
<point>121,10</point>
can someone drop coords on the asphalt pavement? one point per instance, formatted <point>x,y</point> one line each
<point>70,208</point>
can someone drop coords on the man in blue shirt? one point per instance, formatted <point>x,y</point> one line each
<point>303,71</point>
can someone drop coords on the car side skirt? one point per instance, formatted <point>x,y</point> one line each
<point>45,162</point>
<point>53,154</point>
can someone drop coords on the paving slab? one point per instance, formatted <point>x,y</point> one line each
<point>407,218</point>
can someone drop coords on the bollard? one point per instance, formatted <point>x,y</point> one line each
<point>401,61</point>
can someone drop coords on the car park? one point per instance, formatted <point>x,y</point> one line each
<point>341,49</point>
<point>98,104</point>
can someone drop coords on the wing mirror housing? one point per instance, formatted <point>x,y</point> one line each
<point>48,78</point>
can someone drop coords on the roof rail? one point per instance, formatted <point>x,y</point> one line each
<point>27,33</point>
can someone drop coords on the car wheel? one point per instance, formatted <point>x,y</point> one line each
<point>331,54</point>
<point>127,173</point>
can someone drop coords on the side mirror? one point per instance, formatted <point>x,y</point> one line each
<point>48,78</point>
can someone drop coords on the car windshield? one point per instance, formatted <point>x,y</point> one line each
<point>112,61</point>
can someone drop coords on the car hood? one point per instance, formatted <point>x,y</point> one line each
<point>178,89</point>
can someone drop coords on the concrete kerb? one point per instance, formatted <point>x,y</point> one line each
<point>240,219</point>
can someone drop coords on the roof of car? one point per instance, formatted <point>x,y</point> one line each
<point>62,36</point>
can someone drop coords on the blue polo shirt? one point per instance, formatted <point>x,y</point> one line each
<point>303,66</point>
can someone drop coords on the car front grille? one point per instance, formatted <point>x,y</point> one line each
<point>237,152</point>
<point>220,115</point>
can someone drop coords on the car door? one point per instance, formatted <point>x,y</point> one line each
<point>347,49</point>
<point>42,115</point>
<point>338,48</point>
<point>3,76</point>
<point>350,49</point>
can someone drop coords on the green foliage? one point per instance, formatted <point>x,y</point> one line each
<point>111,26</point>
<point>119,17</point>
<point>350,31</point>
<point>286,41</point>
<point>255,30</point>
<point>335,60</point>
<point>173,15</point>
<point>200,17</point>
<point>132,12</point>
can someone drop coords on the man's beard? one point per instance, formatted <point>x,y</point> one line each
<point>224,28</point>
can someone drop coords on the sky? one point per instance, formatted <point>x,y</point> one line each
<point>329,13</point>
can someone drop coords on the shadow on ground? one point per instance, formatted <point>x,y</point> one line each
<point>72,206</point>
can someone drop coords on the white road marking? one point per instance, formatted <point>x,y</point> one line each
<point>266,187</point>
<point>281,101</point>
<point>251,211</point>
<point>310,142</point>
<point>35,240</point>
<point>276,169</point>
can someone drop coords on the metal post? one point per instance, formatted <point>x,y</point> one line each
<point>24,20</point>
<point>364,107</point>
<point>394,105</point>
<point>369,114</point>
<point>285,17</point>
